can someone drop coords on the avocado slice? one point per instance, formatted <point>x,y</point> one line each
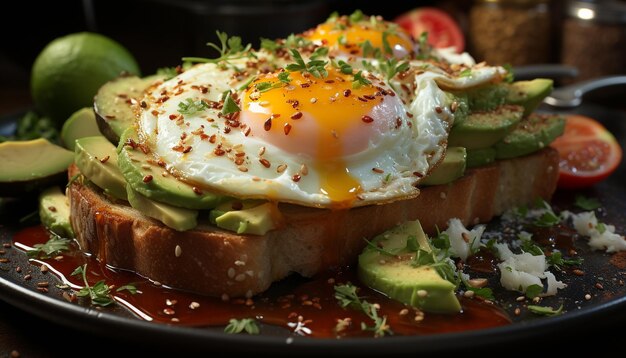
<point>54,212</point>
<point>179,219</point>
<point>136,166</point>
<point>29,165</point>
<point>113,104</point>
<point>451,168</point>
<point>529,94</point>
<point>97,160</point>
<point>533,133</point>
<point>250,217</point>
<point>81,123</point>
<point>398,277</point>
<point>484,129</point>
<point>486,97</point>
<point>480,157</point>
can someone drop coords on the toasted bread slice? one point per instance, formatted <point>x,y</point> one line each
<point>216,262</point>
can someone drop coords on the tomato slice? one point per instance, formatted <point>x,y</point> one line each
<point>588,153</point>
<point>442,30</point>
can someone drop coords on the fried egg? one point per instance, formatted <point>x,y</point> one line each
<point>319,140</point>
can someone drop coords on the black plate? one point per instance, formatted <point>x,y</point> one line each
<point>606,306</point>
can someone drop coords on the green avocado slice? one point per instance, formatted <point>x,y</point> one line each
<point>81,123</point>
<point>179,219</point>
<point>154,182</point>
<point>97,160</point>
<point>529,94</point>
<point>54,212</point>
<point>451,168</point>
<point>480,157</point>
<point>30,165</point>
<point>113,104</point>
<point>398,277</point>
<point>484,129</point>
<point>532,134</point>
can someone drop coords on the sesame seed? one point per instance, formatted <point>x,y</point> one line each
<point>266,163</point>
<point>178,251</point>
<point>313,100</point>
<point>378,170</point>
<point>27,277</point>
<point>453,106</point>
<point>422,293</point>
<point>240,263</point>
<point>231,272</point>
<point>304,170</point>
<point>587,297</point>
<point>170,302</point>
<point>520,298</point>
<point>240,277</point>
<point>43,284</point>
<point>578,272</point>
<point>599,286</point>
<point>443,195</point>
<point>517,311</point>
<point>264,103</point>
<point>242,168</point>
<point>44,268</point>
<point>105,159</point>
<point>331,281</point>
<point>469,294</point>
<point>4,261</point>
<point>193,305</point>
<point>261,151</point>
<point>281,168</point>
<point>169,311</point>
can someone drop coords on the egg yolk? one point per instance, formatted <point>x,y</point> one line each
<point>349,39</point>
<point>322,120</point>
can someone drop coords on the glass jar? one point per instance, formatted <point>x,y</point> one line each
<point>594,38</point>
<point>515,32</point>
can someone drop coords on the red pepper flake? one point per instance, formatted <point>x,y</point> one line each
<point>361,99</point>
<point>453,106</point>
<point>409,114</point>
<point>305,85</point>
<point>219,152</point>
<point>105,159</point>
<point>398,122</point>
<point>378,170</point>
<point>438,109</point>
<point>212,138</point>
<point>187,149</point>
<point>155,113</point>
<point>148,178</point>
<point>143,104</point>
<point>287,128</point>
<point>418,174</point>
<point>296,177</point>
<point>247,132</point>
<point>296,115</point>
<point>109,117</point>
<point>347,93</point>
<point>268,124</point>
<point>329,81</point>
<point>227,130</point>
<point>367,119</point>
<point>239,161</point>
<point>196,190</point>
<point>173,116</point>
<point>266,163</point>
<point>370,97</point>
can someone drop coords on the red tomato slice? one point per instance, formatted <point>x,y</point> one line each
<point>589,153</point>
<point>442,30</point>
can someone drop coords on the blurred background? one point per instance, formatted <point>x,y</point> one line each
<point>590,35</point>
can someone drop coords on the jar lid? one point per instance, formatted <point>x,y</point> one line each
<point>611,11</point>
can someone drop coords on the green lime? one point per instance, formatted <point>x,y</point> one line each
<point>70,69</point>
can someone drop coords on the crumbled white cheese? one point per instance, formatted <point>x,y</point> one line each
<point>463,242</point>
<point>518,271</point>
<point>586,224</point>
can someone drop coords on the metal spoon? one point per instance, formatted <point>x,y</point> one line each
<point>571,96</point>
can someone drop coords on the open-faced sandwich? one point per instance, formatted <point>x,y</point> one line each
<point>240,170</point>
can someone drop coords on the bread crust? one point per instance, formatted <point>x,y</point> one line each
<point>216,262</point>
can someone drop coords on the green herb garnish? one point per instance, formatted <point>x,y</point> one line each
<point>269,45</point>
<point>230,106</point>
<point>533,291</point>
<point>190,107</point>
<point>230,48</point>
<point>100,293</point>
<point>587,203</point>
<point>359,81</point>
<point>347,297</point>
<point>132,289</point>
<point>314,67</point>
<point>557,260</point>
<point>53,247</point>
<point>248,325</point>
<point>466,73</point>
<point>545,311</point>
